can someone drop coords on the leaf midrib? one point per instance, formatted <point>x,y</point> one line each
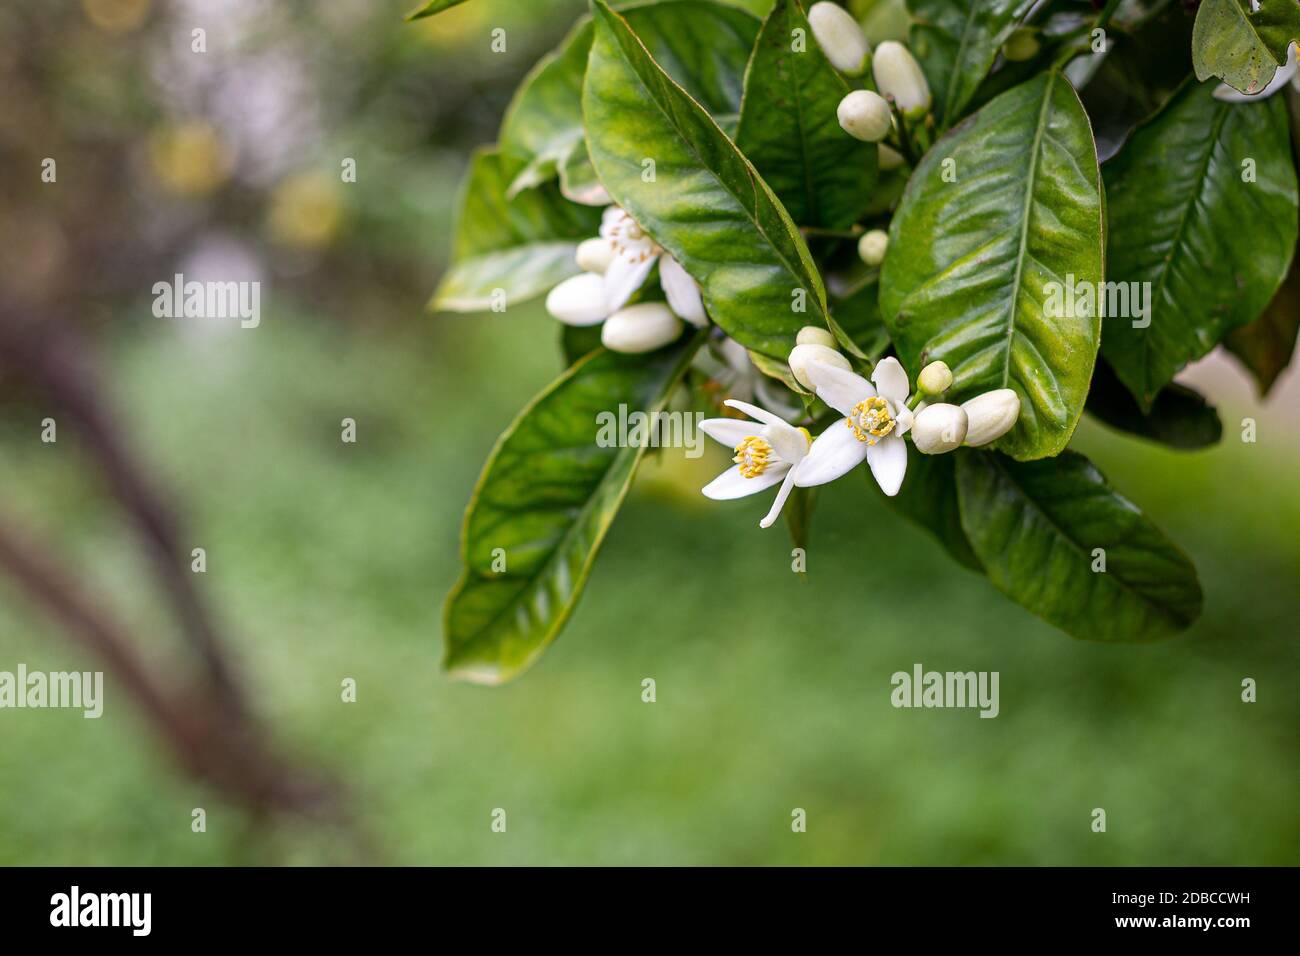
<point>1028,206</point>
<point>690,147</point>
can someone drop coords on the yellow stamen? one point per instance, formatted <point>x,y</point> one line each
<point>753,456</point>
<point>871,420</point>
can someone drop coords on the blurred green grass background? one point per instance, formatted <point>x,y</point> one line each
<point>328,561</point>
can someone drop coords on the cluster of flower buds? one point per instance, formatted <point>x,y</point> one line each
<point>940,427</point>
<point>867,114</point>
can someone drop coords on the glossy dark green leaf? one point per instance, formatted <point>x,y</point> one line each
<point>855,307</point>
<point>929,498</point>
<point>1037,527</point>
<point>1242,46</point>
<point>1267,345</point>
<point>543,123</point>
<point>1210,248</point>
<point>704,46</point>
<point>1180,417</point>
<point>664,159</point>
<point>973,263</point>
<point>956,42</point>
<point>546,498</point>
<point>789,130</point>
<point>522,246</point>
<point>430,7</point>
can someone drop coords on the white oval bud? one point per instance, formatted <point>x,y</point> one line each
<point>865,115</point>
<point>812,335</point>
<point>939,428</point>
<point>899,75</point>
<point>595,255</point>
<point>579,300</point>
<point>890,158</point>
<point>801,355</point>
<point>991,415</point>
<point>935,379</point>
<point>1021,45</point>
<point>872,246</point>
<point>840,37</point>
<point>641,328</point>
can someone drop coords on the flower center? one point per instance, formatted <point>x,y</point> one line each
<point>627,239</point>
<point>753,455</point>
<point>870,420</point>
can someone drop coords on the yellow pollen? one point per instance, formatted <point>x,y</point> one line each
<point>753,456</point>
<point>871,420</point>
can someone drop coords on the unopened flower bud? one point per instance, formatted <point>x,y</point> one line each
<point>991,415</point>
<point>939,428</point>
<point>865,115</point>
<point>872,246</point>
<point>840,37</point>
<point>595,255</point>
<point>812,335</point>
<point>579,300</point>
<point>641,328</point>
<point>936,378</point>
<point>890,158</point>
<point>1021,45</point>
<point>899,75</point>
<point>801,355</point>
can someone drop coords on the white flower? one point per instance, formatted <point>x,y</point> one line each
<point>1285,73</point>
<point>865,115</point>
<point>635,254</point>
<point>616,263</point>
<point>840,37</point>
<point>899,75</point>
<point>939,428</point>
<point>768,452</point>
<point>991,415</point>
<point>873,427</point>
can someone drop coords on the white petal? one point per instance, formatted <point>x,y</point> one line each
<point>787,486</point>
<point>787,441</point>
<point>579,300</point>
<point>888,461</point>
<point>756,413</point>
<point>728,431</point>
<point>732,484</point>
<point>1281,77</point>
<point>623,277</point>
<point>891,379</point>
<point>837,387</point>
<point>904,416</point>
<point>835,452</point>
<point>681,291</point>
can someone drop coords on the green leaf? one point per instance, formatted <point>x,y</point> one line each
<point>1211,248</point>
<point>706,204</point>
<point>546,498</point>
<point>789,130</point>
<point>1036,526</point>
<point>855,309</point>
<point>704,46</point>
<point>1243,48</point>
<point>430,7</point>
<point>1267,345</point>
<point>956,42</point>
<point>798,514</point>
<point>929,498</point>
<point>1180,417</point>
<point>522,246</point>
<point>543,124</point>
<point>973,263</point>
